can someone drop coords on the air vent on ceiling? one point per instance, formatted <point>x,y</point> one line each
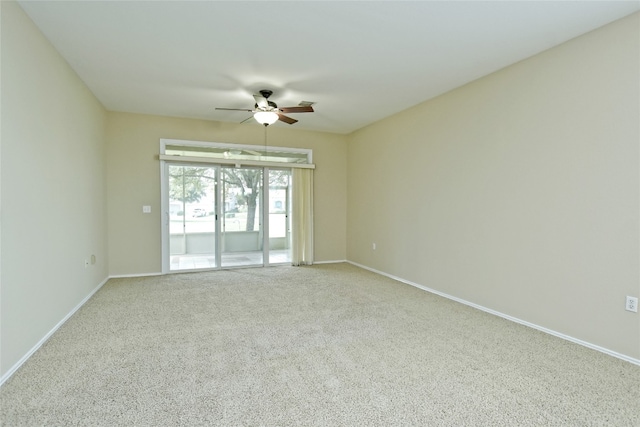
<point>306,103</point>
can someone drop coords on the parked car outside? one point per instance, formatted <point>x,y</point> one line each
<point>197,212</point>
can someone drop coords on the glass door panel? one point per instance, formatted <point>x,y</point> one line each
<point>242,233</point>
<point>279,208</point>
<point>192,217</point>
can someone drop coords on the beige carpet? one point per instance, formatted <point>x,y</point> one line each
<point>329,345</point>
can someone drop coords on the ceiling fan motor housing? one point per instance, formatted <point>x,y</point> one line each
<point>266,94</point>
<point>271,104</point>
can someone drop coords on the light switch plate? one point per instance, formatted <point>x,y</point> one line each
<point>146,209</point>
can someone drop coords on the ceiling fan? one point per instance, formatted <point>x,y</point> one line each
<point>267,112</point>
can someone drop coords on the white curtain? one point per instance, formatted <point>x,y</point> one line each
<point>302,217</point>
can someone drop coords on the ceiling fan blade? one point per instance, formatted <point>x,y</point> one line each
<point>247,119</point>
<point>286,119</point>
<point>261,101</point>
<point>305,109</point>
<point>235,109</point>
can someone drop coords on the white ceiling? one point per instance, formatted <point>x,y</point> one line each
<point>360,61</point>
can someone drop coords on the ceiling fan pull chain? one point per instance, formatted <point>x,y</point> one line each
<point>265,140</point>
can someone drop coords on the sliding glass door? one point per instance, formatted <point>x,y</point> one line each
<point>192,217</point>
<point>223,216</point>
<point>279,209</point>
<point>242,218</point>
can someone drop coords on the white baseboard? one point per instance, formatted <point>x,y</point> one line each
<point>505,316</point>
<point>330,262</point>
<point>44,339</point>
<point>124,276</point>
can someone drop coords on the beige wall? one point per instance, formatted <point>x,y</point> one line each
<point>518,192</point>
<point>134,180</point>
<point>53,188</point>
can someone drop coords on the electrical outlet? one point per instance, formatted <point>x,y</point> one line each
<point>632,304</point>
<point>373,246</point>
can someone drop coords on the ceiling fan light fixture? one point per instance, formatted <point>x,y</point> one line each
<point>266,117</point>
